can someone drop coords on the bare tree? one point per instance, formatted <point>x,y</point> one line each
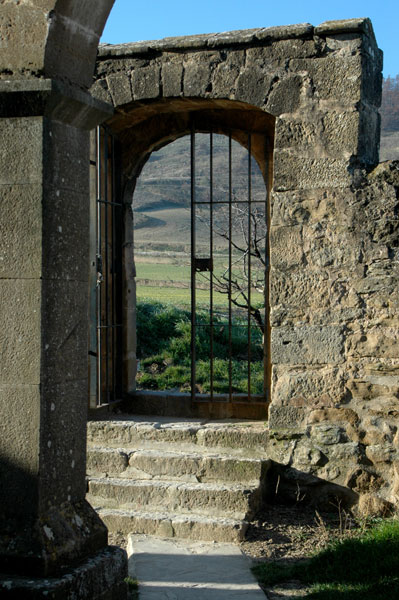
<point>243,226</point>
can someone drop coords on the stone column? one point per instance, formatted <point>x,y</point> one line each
<point>52,542</point>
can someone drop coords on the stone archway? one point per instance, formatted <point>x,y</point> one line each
<point>153,126</point>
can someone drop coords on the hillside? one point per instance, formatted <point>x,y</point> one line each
<point>389,145</point>
<point>162,198</point>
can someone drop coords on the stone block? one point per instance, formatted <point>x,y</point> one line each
<point>225,75</point>
<point>20,322</point>
<point>285,95</point>
<point>334,415</point>
<point>63,442</point>
<point>23,31</point>
<point>334,77</point>
<point>198,70</point>
<point>19,449</point>
<point>286,417</point>
<point>313,387</point>
<point>287,49</point>
<point>369,131</point>
<point>100,90</point>
<point>327,435</point>
<point>21,231</point>
<point>146,82</point>
<point>307,345</point>
<point>70,49</point>
<point>119,88</point>
<point>172,78</point>
<point>380,342</point>
<point>21,146</point>
<point>65,235</point>
<point>254,85</point>
<point>64,331</point>
<point>372,505</point>
<point>286,247</point>
<point>363,481</point>
<point>67,157</point>
<point>293,172</point>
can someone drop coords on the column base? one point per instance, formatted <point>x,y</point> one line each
<point>100,577</point>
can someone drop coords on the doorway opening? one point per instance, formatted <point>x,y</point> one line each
<point>201,250</point>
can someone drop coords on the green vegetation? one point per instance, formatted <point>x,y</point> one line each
<point>164,350</point>
<point>364,567</point>
<point>132,587</point>
<point>172,274</point>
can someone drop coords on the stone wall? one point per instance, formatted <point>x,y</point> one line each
<point>333,229</point>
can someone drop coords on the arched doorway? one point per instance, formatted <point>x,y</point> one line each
<point>213,271</point>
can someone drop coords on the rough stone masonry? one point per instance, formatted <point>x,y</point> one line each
<point>334,229</point>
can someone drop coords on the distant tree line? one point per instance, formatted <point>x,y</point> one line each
<point>390,104</point>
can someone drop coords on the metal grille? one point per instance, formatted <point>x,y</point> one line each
<point>106,305</point>
<point>239,271</point>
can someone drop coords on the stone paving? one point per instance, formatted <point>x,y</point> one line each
<point>171,569</point>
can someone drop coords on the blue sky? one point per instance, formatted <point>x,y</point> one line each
<point>134,20</point>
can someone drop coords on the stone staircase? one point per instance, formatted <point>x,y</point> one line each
<point>171,477</point>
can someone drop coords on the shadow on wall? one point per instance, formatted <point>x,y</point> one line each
<point>287,484</point>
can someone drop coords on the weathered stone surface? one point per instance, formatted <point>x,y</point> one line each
<point>19,438</point>
<point>101,577</point>
<point>172,78</point>
<point>371,505</point>
<point>254,86</point>
<point>285,95</point>
<point>300,172</point>
<point>308,345</point>
<point>21,250</point>
<point>316,388</point>
<point>120,88</point>
<point>197,74</point>
<point>146,82</point>
<point>21,150</point>
<point>20,323</point>
<point>226,73</point>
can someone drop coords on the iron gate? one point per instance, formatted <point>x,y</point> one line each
<point>105,344</point>
<point>237,270</point>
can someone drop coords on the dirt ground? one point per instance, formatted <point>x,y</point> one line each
<point>286,533</point>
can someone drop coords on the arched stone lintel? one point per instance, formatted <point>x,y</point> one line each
<point>153,125</point>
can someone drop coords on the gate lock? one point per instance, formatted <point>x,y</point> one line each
<point>203,264</point>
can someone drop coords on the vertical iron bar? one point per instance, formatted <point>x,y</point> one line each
<point>249,262</point>
<point>193,307</point>
<point>230,268</point>
<point>211,256</point>
<point>99,304</point>
<point>113,272</point>
<point>106,260</point>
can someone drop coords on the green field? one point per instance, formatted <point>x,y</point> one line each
<point>172,275</point>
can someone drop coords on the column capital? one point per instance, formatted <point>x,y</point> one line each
<point>54,99</point>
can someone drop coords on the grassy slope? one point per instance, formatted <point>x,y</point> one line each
<point>365,567</point>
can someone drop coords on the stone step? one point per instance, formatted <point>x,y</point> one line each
<point>171,465</point>
<point>162,524</point>
<point>238,438</point>
<point>210,499</point>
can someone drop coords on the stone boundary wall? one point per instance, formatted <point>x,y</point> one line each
<point>333,230</point>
